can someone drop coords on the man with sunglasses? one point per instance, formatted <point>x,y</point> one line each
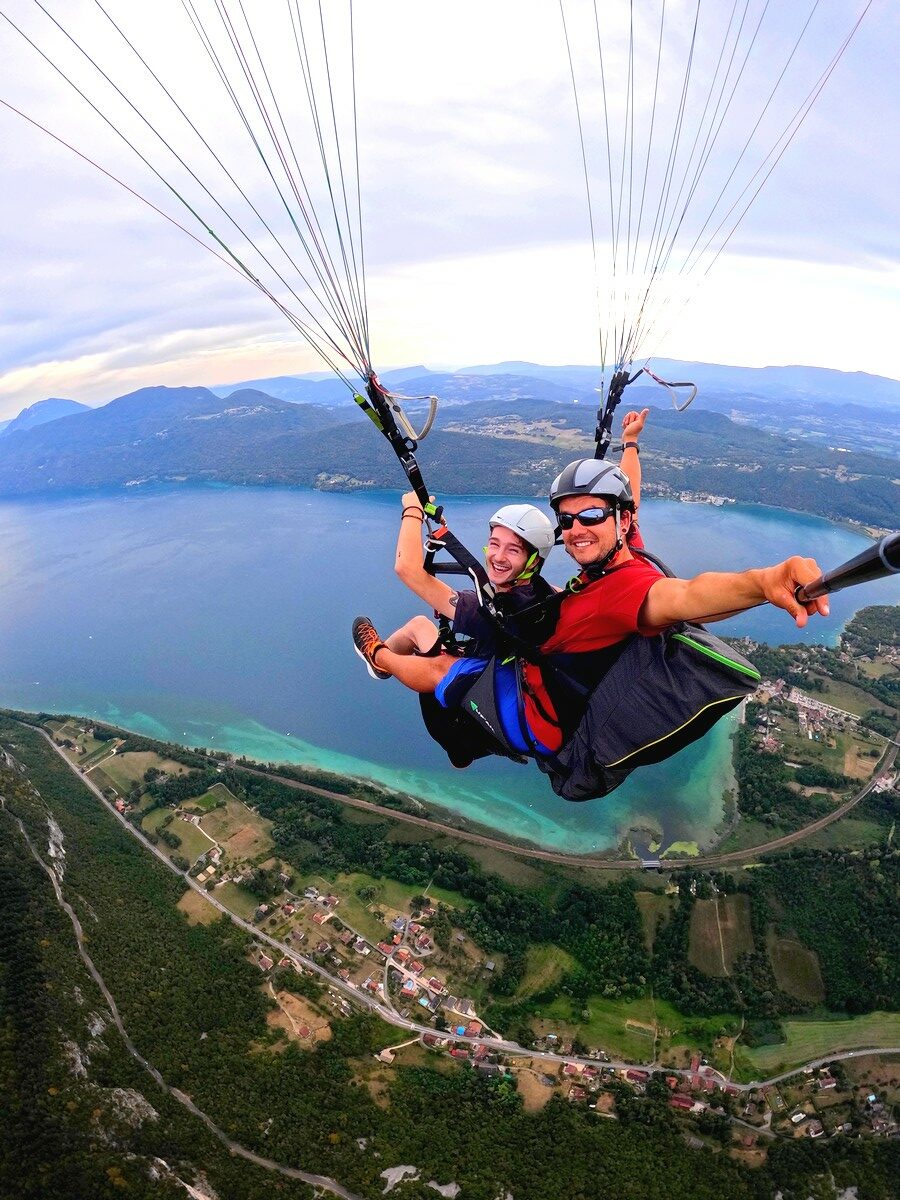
<point>617,594</point>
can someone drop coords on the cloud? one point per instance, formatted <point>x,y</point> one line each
<point>470,165</point>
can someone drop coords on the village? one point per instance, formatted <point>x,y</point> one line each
<point>360,936</point>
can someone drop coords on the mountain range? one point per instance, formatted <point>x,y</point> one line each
<point>495,434</point>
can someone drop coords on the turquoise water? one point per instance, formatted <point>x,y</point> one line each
<point>220,616</point>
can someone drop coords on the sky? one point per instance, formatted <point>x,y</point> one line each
<point>476,226</point>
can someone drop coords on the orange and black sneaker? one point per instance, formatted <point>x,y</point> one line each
<point>367,643</point>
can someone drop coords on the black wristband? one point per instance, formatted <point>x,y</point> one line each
<point>631,446</point>
<point>417,512</point>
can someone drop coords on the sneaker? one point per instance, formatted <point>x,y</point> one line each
<point>366,643</point>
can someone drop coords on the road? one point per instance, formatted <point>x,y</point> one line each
<point>586,860</point>
<point>391,1017</point>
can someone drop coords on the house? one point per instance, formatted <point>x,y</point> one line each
<point>490,965</point>
<point>798,1116</point>
<point>298,935</point>
<point>288,910</point>
<point>347,936</point>
<point>386,948</point>
<point>401,955</point>
<point>815,1129</point>
<point>398,924</point>
<point>409,987</point>
<point>473,1029</point>
<point>826,1082</point>
<point>459,1052</point>
<point>634,1076</point>
<point>417,968</point>
<point>490,1070</point>
<point>680,1101</point>
<point>361,947</point>
<point>344,974</point>
<point>577,1093</point>
<point>323,947</point>
<point>423,942</point>
<point>435,985</point>
<point>433,1039</point>
<point>311,893</point>
<point>261,910</point>
<point>303,1031</point>
<point>571,1070</point>
<point>320,918</point>
<point>264,962</point>
<point>338,962</point>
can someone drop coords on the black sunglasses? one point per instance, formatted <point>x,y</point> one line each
<point>589,516</point>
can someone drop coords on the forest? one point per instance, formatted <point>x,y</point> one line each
<point>193,1005</point>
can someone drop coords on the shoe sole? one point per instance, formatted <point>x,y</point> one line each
<point>373,671</point>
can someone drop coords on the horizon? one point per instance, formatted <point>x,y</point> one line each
<point>321,377</point>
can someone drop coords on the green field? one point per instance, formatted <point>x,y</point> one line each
<point>796,968</point>
<point>125,769</point>
<point>99,752</point>
<point>243,834</point>
<point>193,841</point>
<point>217,794</point>
<point>851,699</point>
<point>631,1028</point>
<point>809,1040</point>
<point>391,896</point>
<point>720,932</point>
<point>546,965</point>
<point>656,908</point>
<point>237,899</point>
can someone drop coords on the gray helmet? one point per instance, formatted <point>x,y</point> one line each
<point>592,477</point>
<point>529,523</point>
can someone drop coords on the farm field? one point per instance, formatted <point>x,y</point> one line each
<point>241,833</point>
<point>237,899</point>
<point>846,696</point>
<point>125,769</point>
<point>656,909</point>
<point>193,841</point>
<point>390,897</point>
<point>218,793</point>
<point>808,1040</point>
<point>629,1028</point>
<point>546,965</point>
<point>197,910</point>
<point>720,933</point>
<point>796,968</point>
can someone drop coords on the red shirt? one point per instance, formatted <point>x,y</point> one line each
<point>603,613</point>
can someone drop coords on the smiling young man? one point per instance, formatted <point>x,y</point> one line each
<point>618,594</point>
<point>520,538</point>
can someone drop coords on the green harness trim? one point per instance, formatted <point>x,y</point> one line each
<point>720,658</point>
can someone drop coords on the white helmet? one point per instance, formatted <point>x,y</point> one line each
<point>529,523</point>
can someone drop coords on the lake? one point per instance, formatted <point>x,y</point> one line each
<point>220,616</point>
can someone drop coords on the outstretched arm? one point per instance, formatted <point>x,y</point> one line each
<point>408,562</point>
<point>717,594</point>
<point>630,463</point>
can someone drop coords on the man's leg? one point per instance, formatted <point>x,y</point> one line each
<point>418,634</point>
<point>419,674</point>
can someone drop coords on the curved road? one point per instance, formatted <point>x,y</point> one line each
<point>388,1014</point>
<point>586,860</point>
